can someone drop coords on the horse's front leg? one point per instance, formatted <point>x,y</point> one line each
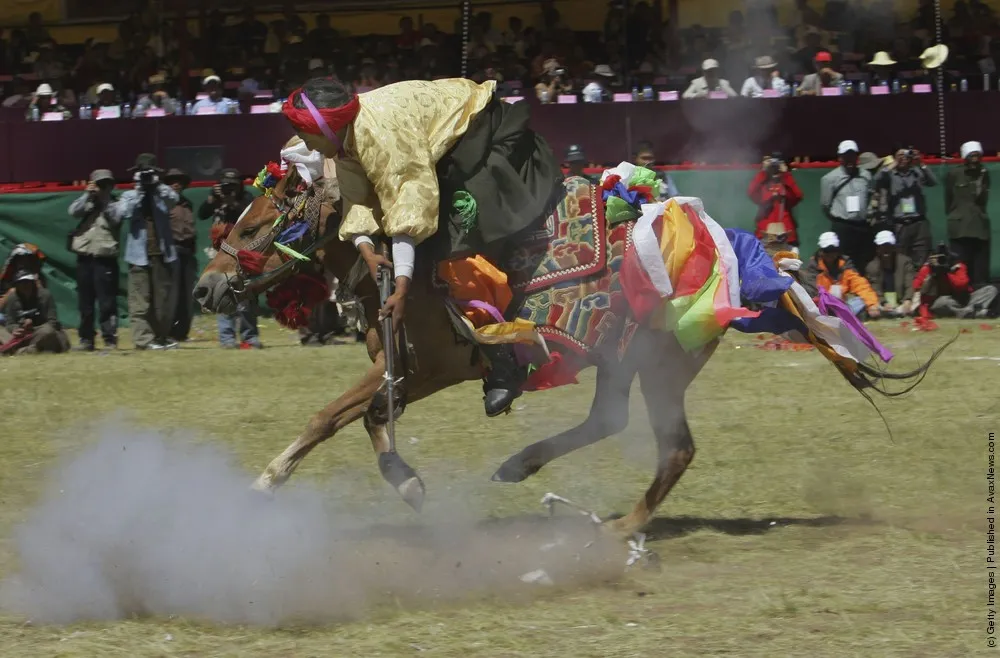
<point>343,411</point>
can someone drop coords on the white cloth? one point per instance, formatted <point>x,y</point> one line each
<point>593,92</point>
<point>403,256</point>
<point>308,163</point>
<point>753,89</point>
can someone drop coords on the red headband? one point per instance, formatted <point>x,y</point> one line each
<point>305,119</point>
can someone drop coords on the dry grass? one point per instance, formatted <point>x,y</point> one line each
<point>800,530</point>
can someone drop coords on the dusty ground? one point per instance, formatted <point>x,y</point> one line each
<point>800,530</point>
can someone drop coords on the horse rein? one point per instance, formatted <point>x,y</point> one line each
<point>241,284</point>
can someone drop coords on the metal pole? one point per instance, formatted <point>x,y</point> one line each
<point>942,136</point>
<point>466,13</point>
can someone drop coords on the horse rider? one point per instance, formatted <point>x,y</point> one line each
<point>418,155</point>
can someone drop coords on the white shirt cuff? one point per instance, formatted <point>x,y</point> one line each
<point>362,239</point>
<point>403,256</point>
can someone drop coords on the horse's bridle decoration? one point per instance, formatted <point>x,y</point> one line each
<point>298,216</point>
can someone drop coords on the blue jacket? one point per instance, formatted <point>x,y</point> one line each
<point>129,207</point>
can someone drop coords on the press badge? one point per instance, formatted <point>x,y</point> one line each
<point>854,204</point>
<point>908,206</point>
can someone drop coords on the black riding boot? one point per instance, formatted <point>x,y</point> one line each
<point>504,379</point>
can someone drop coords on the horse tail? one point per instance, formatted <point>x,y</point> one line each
<point>869,377</point>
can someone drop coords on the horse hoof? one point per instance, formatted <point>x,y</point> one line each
<point>412,491</point>
<point>263,486</point>
<point>513,470</point>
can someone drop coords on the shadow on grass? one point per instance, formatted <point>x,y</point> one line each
<point>672,528</point>
<point>424,534</point>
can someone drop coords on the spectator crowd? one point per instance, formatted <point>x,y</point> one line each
<point>227,63</point>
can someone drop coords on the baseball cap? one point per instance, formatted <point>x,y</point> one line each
<point>211,78</point>
<point>709,64</point>
<point>44,89</point>
<point>847,146</point>
<point>823,56</point>
<point>104,86</point>
<point>828,239</point>
<point>25,275</point>
<point>885,237</point>
<point>971,147</point>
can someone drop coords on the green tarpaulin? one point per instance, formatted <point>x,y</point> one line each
<point>42,219</point>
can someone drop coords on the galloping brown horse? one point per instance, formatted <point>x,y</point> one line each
<point>664,368</point>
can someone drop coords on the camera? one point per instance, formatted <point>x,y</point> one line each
<point>147,177</point>
<point>940,260</point>
<point>772,164</point>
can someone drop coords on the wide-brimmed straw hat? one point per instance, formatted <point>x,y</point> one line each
<point>175,174</point>
<point>765,62</point>
<point>881,58</point>
<point>934,56</point>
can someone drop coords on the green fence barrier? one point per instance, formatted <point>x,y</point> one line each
<point>42,219</point>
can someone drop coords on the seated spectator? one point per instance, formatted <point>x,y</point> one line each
<point>766,76</point>
<point>553,82</point>
<point>708,82</point>
<point>216,102</point>
<point>814,83</point>
<point>44,102</point>
<point>106,95</point>
<point>158,97</point>
<point>966,197</point>
<point>775,239</point>
<point>596,90</point>
<point>829,270</point>
<point>881,65</point>
<point>646,157</point>
<point>943,283</point>
<point>24,256</point>
<point>576,161</point>
<point>775,192</point>
<point>30,322</point>
<point>891,274</point>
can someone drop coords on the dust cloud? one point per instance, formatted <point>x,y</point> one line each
<point>140,524</point>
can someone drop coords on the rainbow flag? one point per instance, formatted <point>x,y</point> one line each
<point>682,274</point>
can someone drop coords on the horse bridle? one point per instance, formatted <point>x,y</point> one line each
<point>310,208</point>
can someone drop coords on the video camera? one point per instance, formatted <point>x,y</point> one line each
<point>148,177</point>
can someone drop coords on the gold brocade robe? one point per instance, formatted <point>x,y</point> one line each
<point>387,175</point>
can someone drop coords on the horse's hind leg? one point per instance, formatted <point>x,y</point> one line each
<point>608,416</point>
<point>335,416</point>
<point>664,380</point>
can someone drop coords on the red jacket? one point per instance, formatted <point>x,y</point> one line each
<point>958,282</point>
<point>767,196</point>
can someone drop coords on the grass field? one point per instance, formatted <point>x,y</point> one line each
<point>801,529</point>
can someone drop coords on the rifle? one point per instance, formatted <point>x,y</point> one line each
<point>388,353</point>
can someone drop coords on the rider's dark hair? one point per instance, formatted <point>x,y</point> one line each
<point>324,93</point>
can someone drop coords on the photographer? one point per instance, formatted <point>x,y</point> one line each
<point>149,252</point>
<point>891,276</point>
<point>552,83</point>
<point>966,196</point>
<point>775,192</point>
<point>225,205</point>
<point>900,190</point>
<point>30,321</point>
<point>95,243</point>
<point>943,284</point>
<point>843,196</point>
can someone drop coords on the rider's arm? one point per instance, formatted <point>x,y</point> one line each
<point>405,182</point>
<point>359,199</point>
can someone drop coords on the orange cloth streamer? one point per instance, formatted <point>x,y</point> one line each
<point>476,279</point>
